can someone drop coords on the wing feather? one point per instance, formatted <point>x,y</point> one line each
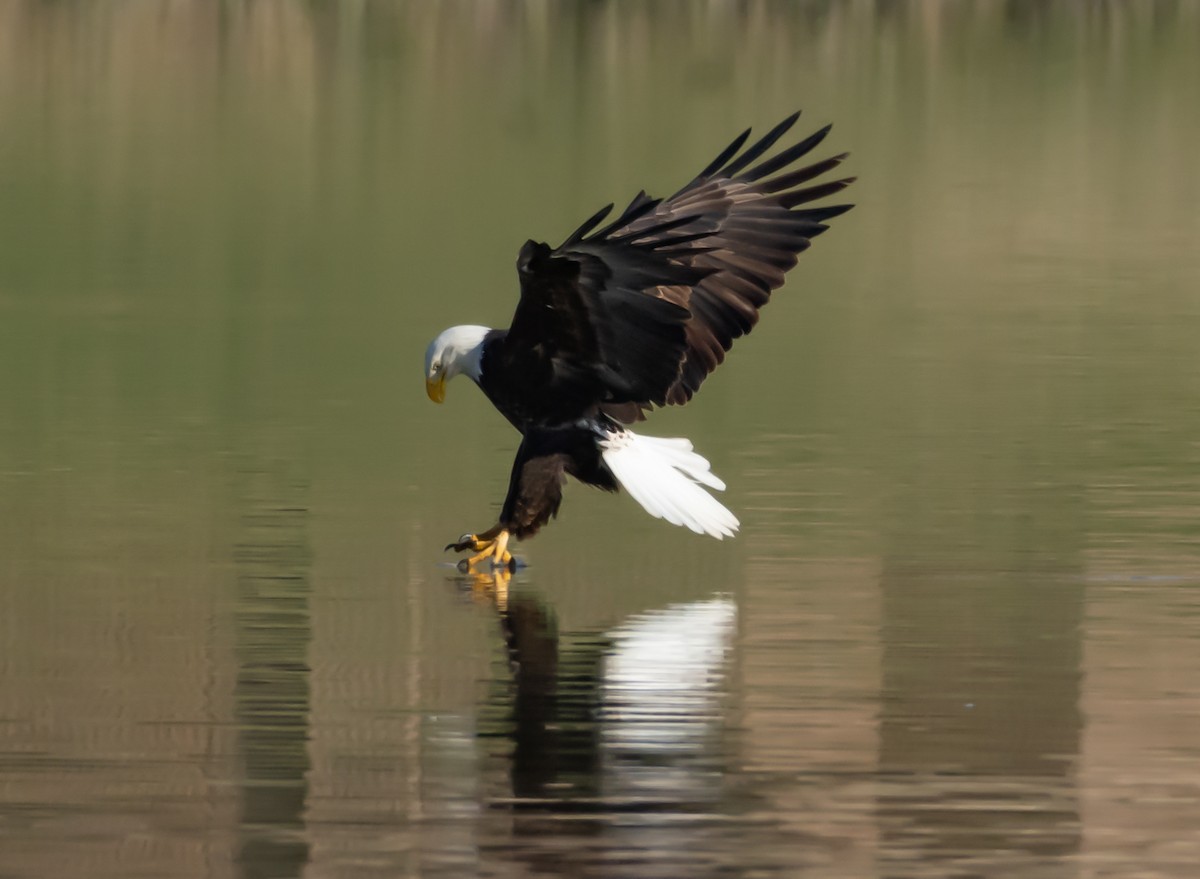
<point>784,158</point>
<point>761,147</point>
<point>646,307</point>
<point>755,236</point>
<point>588,225</point>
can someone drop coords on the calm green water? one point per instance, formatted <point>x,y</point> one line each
<point>959,634</point>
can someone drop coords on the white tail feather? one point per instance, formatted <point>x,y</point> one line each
<point>664,476</point>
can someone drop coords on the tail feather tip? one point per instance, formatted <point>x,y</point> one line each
<point>665,476</point>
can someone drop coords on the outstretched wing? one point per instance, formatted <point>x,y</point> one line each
<point>751,222</point>
<point>585,328</point>
<point>647,306</point>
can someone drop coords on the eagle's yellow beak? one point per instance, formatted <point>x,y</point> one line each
<point>436,388</point>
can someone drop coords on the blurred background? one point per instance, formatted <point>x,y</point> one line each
<point>959,633</point>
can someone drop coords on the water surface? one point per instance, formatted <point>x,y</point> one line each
<point>959,634</point>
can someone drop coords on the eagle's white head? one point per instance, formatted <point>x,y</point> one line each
<point>456,350</point>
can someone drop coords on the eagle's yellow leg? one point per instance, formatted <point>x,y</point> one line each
<point>492,544</point>
<point>500,553</point>
<point>496,548</point>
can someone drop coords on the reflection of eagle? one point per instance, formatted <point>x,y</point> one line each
<point>634,315</point>
<point>620,723</point>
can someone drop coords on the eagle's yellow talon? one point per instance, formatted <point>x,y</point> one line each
<point>491,544</point>
<point>487,551</point>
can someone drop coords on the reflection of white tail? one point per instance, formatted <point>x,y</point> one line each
<point>664,476</point>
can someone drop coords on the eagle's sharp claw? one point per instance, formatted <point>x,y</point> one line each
<point>467,542</point>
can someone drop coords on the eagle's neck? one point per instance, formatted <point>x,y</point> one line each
<point>471,362</point>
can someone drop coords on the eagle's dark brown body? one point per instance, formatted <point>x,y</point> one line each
<point>621,319</point>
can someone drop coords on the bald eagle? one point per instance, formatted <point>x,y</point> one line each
<point>620,319</point>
